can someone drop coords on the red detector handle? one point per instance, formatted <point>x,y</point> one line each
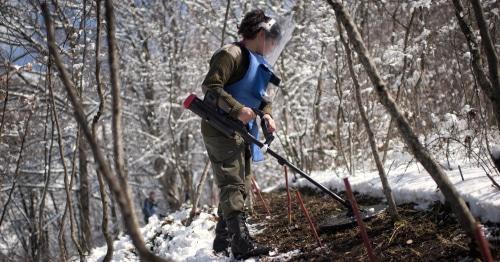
<point>189,100</point>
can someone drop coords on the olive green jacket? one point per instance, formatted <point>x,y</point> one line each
<point>227,66</point>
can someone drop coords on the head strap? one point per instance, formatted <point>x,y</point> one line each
<point>267,25</point>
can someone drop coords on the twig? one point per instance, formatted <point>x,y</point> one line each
<point>225,23</point>
<point>401,81</point>
<point>394,233</point>
<point>5,100</point>
<point>199,190</point>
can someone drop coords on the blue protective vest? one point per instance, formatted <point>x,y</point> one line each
<point>250,91</point>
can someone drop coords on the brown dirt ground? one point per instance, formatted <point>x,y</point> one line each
<point>419,235</point>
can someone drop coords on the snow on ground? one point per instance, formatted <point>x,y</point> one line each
<point>170,238</point>
<point>412,184</point>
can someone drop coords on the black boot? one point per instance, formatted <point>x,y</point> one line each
<point>221,240</point>
<point>242,245</point>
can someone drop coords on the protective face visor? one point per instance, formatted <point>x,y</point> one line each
<point>280,32</point>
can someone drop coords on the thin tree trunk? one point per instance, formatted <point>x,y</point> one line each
<point>450,193</point>
<point>117,227</point>
<point>84,199</point>
<point>48,165</point>
<point>61,242</point>
<point>317,141</point>
<point>340,118</point>
<point>115,93</point>
<point>117,183</point>
<point>491,56</point>
<point>351,150</point>
<point>84,195</point>
<point>69,200</point>
<point>43,237</point>
<point>371,137</point>
<point>67,184</point>
<point>476,61</point>
<point>105,218</point>
<point>100,179</point>
<point>225,23</point>
<point>129,216</point>
<point>32,225</point>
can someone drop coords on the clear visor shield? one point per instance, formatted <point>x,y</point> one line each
<point>280,32</point>
<point>272,88</point>
<point>270,93</point>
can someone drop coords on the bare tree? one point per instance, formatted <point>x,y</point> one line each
<point>84,193</point>
<point>67,186</point>
<point>491,56</point>
<point>371,137</point>
<point>43,240</point>
<point>118,184</point>
<point>100,179</point>
<point>450,193</point>
<point>164,47</point>
<point>490,87</point>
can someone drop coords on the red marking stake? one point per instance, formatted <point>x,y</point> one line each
<point>260,196</point>
<point>357,214</point>
<point>311,224</point>
<point>289,197</point>
<point>484,246</point>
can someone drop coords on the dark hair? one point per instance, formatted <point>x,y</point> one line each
<point>249,26</point>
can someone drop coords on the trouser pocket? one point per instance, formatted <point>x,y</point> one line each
<point>228,159</point>
<point>223,149</point>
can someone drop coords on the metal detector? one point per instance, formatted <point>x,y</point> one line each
<point>209,111</point>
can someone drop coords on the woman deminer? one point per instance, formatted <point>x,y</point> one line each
<point>239,76</point>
